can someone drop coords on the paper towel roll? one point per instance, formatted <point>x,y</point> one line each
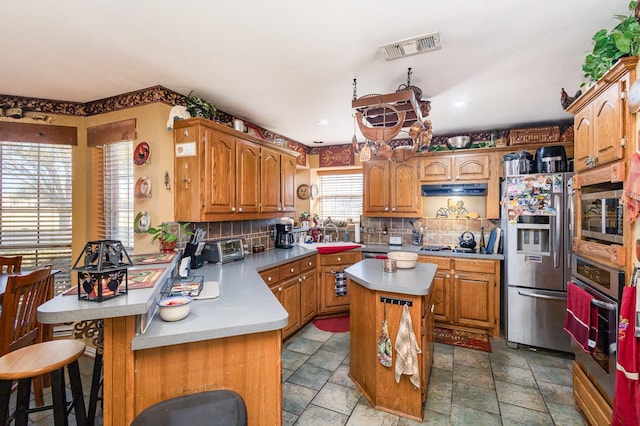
<point>356,237</point>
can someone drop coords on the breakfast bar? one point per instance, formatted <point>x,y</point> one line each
<point>383,296</point>
<point>231,342</point>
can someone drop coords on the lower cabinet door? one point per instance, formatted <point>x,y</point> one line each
<point>290,299</point>
<point>474,296</point>
<point>308,299</point>
<point>442,296</point>
<point>331,300</point>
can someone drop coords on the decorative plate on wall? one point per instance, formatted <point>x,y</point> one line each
<point>141,223</point>
<point>141,154</point>
<point>314,191</point>
<point>303,192</point>
<point>143,188</point>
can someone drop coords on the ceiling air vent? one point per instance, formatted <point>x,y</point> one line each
<point>411,46</point>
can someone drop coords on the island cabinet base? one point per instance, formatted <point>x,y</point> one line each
<point>377,382</point>
<point>134,380</point>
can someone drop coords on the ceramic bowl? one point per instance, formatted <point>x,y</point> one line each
<point>404,260</point>
<point>174,308</point>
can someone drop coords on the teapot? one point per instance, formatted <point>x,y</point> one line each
<point>467,240</point>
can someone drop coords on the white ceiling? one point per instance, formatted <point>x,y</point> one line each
<point>288,64</point>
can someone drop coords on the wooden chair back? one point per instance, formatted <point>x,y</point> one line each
<point>19,325</point>
<point>10,263</point>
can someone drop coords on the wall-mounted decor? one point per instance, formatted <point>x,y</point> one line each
<point>142,188</point>
<point>141,154</point>
<point>303,192</point>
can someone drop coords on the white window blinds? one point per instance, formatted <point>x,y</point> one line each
<point>115,192</point>
<point>341,196</point>
<point>35,205</point>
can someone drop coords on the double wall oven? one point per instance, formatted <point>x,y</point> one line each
<point>598,266</point>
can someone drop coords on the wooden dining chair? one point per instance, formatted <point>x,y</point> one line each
<point>19,326</point>
<point>10,263</point>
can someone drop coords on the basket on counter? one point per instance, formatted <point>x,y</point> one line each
<point>533,135</point>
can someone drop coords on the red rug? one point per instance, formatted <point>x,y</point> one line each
<point>461,338</point>
<point>333,325</point>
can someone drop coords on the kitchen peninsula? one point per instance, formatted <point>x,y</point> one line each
<point>381,295</point>
<point>230,342</point>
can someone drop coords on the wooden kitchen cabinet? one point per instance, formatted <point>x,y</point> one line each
<point>222,174</point>
<point>603,125</point>
<point>455,168</point>
<point>589,399</point>
<point>294,285</point>
<point>329,302</point>
<point>391,189</point>
<point>466,292</point>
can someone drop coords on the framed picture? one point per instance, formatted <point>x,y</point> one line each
<point>254,131</point>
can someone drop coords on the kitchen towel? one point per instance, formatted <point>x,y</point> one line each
<point>579,316</point>
<point>340,284</point>
<point>626,395</point>
<point>384,346</point>
<point>631,192</point>
<point>407,350</point>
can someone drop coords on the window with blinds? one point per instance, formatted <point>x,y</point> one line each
<point>114,178</point>
<point>35,205</point>
<point>340,196</point>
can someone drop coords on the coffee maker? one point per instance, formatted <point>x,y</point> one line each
<point>284,237</point>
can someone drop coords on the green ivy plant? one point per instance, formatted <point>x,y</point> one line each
<point>198,107</point>
<point>163,233</point>
<point>622,40</point>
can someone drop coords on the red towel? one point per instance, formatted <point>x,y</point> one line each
<point>336,248</point>
<point>626,396</point>
<point>579,316</point>
<point>631,192</point>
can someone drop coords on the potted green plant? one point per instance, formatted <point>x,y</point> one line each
<point>622,40</point>
<point>167,237</point>
<point>198,107</point>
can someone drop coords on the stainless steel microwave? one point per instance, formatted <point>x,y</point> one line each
<point>602,214</point>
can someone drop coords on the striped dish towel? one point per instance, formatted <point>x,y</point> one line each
<point>407,350</point>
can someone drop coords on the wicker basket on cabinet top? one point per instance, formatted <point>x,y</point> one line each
<point>533,135</point>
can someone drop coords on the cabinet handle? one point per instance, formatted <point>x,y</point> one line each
<point>457,177</point>
<point>269,279</point>
<point>310,263</point>
<point>240,209</point>
<point>233,209</point>
<point>393,209</point>
<point>456,276</point>
<point>299,279</point>
<point>623,141</point>
<point>291,270</point>
<point>339,259</point>
<point>386,209</point>
<point>280,288</point>
<point>433,307</point>
<point>449,177</point>
<point>448,276</point>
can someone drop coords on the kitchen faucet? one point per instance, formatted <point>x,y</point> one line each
<point>324,234</point>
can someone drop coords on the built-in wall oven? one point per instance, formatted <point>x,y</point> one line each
<point>605,286</point>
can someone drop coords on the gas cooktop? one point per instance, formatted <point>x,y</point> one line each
<point>438,247</point>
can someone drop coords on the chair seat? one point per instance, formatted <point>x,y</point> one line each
<point>216,407</point>
<point>39,359</point>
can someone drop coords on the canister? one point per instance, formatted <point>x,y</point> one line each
<point>389,265</point>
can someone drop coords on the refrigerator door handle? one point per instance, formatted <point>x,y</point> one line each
<point>556,234</point>
<point>541,295</point>
<point>569,241</point>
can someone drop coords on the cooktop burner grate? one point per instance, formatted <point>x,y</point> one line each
<point>435,247</point>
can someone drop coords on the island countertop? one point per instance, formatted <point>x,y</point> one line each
<point>415,281</point>
<point>245,305</point>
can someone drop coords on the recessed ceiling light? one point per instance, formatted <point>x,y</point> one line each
<point>323,122</point>
<point>318,142</point>
<point>459,104</point>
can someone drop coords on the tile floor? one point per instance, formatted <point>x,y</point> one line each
<point>467,387</point>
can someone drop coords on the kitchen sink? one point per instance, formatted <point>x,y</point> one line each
<point>334,247</point>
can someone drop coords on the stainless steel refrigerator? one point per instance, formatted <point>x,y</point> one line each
<point>537,224</point>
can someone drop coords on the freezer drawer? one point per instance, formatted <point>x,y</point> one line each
<point>536,317</point>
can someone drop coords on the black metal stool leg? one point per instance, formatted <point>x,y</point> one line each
<point>96,384</point>
<point>22,401</point>
<point>76,391</point>
<point>5,395</point>
<point>59,396</point>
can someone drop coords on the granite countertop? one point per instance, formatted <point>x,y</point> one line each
<point>245,305</point>
<point>415,281</point>
<point>385,248</point>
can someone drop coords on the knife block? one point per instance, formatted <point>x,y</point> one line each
<point>196,261</point>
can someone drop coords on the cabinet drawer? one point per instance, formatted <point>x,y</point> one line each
<point>344,258</point>
<point>270,276</point>
<point>289,270</point>
<point>308,263</point>
<point>444,263</point>
<point>474,265</point>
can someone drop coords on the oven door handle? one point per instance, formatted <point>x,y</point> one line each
<point>540,295</point>
<point>604,305</point>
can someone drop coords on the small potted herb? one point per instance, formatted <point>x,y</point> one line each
<point>167,237</point>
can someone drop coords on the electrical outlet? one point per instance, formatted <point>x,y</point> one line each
<point>272,232</point>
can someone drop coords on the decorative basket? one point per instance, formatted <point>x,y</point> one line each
<point>534,135</point>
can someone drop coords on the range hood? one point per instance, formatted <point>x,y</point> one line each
<point>454,189</point>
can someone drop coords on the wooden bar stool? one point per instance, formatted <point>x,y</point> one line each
<point>10,264</point>
<point>216,407</point>
<point>48,357</point>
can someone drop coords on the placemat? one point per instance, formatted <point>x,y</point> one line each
<point>152,258</point>
<point>140,278</point>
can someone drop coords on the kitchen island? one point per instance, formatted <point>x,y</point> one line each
<point>378,295</point>
<point>231,342</point>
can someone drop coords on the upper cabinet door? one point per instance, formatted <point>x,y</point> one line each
<point>288,183</point>
<point>582,147</point>
<point>608,126</point>
<point>270,180</point>
<point>248,181</point>
<point>376,186</point>
<point>404,193</point>
<point>471,167</point>
<point>219,172</point>
<point>435,169</point>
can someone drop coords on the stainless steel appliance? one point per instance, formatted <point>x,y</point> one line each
<point>602,212</point>
<point>223,251</point>
<point>605,286</point>
<point>537,245</point>
<point>284,236</point>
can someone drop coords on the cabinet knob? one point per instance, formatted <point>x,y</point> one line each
<point>310,263</point>
<point>386,209</point>
<point>393,209</point>
<point>456,276</point>
<point>457,177</point>
<point>300,279</point>
<point>449,177</point>
<point>233,209</point>
<point>269,279</point>
<point>240,209</point>
<point>339,259</point>
<point>448,276</point>
<point>279,288</point>
<point>433,307</point>
<point>291,270</point>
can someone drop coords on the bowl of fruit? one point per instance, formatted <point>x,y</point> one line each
<point>174,308</point>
